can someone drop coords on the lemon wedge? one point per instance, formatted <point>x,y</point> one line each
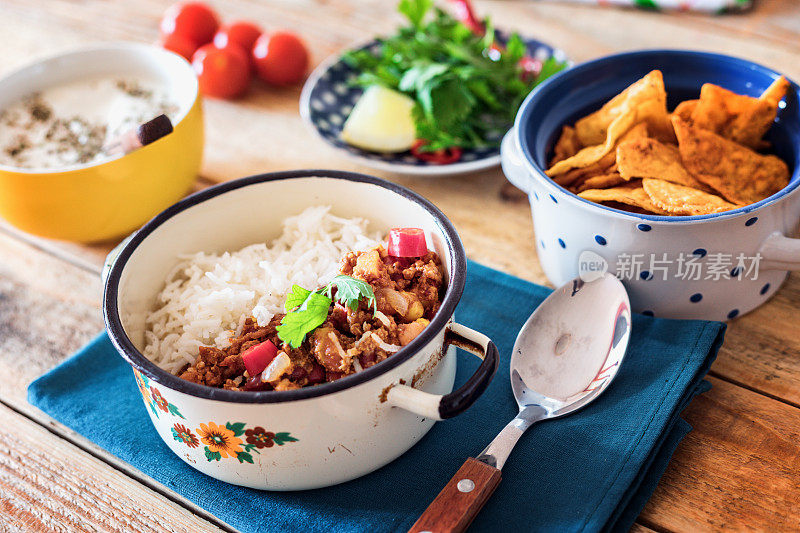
<point>381,121</point>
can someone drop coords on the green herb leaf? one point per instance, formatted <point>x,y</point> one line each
<point>415,10</point>
<point>296,298</point>
<point>306,310</point>
<point>308,316</point>
<point>350,290</point>
<point>550,67</point>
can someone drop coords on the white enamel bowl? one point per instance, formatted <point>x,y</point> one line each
<point>742,255</point>
<point>315,436</point>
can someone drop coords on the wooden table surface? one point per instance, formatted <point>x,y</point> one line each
<point>739,468</point>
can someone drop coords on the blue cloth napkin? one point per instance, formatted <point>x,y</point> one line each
<point>591,471</point>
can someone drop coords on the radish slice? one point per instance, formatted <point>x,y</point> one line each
<point>407,242</point>
<point>258,357</point>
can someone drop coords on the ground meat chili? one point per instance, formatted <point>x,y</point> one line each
<point>408,293</point>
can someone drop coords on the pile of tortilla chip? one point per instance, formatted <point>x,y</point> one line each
<point>702,158</point>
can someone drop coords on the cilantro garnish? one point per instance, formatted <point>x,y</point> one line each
<point>467,91</point>
<point>307,310</point>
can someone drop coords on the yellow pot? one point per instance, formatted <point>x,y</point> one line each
<point>104,200</point>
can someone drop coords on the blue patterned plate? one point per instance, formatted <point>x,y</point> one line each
<point>328,98</point>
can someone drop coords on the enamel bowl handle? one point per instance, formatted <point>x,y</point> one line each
<point>780,252</point>
<point>439,407</point>
<point>513,163</point>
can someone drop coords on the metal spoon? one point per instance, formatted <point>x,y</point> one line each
<point>565,356</point>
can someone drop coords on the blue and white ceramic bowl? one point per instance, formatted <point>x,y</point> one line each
<point>328,98</point>
<point>712,266</point>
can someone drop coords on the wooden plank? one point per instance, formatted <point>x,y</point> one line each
<point>43,319</point>
<point>760,350</point>
<point>47,484</point>
<point>737,470</point>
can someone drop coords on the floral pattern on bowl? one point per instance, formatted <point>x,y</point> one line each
<point>229,440</point>
<point>153,398</point>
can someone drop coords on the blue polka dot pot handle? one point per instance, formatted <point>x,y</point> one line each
<point>440,407</point>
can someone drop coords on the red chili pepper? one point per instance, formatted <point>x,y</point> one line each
<point>407,242</point>
<point>437,157</point>
<point>465,14</point>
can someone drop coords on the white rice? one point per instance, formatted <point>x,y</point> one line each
<point>207,297</point>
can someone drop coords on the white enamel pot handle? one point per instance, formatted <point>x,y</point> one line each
<point>780,252</point>
<point>437,406</point>
<point>513,163</point>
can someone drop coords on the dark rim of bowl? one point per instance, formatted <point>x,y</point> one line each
<point>141,363</point>
<point>525,112</point>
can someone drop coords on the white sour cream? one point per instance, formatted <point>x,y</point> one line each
<point>69,124</point>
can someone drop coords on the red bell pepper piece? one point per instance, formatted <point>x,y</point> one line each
<point>407,242</point>
<point>258,357</point>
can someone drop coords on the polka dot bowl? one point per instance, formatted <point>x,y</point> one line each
<point>714,267</point>
<point>328,97</point>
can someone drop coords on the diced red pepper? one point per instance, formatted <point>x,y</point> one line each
<point>407,242</point>
<point>258,357</point>
<point>465,14</point>
<point>437,157</point>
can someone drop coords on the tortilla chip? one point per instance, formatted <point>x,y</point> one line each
<point>592,154</point>
<point>685,109</point>
<point>681,200</point>
<point>648,158</point>
<point>775,92</point>
<point>739,174</point>
<point>602,181</point>
<point>739,118</point>
<point>602,164</point>
<point>647,95</point>
<point>567,146</point>
<point>630,193</point>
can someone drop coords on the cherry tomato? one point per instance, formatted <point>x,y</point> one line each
<point>193,20</point>
<point>240,32</point>
<point>438,157</point>
<point>222,72</point>
<point>179,44</point>
<point>280,58</point>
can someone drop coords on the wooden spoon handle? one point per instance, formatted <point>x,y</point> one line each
<point>454,509</point>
